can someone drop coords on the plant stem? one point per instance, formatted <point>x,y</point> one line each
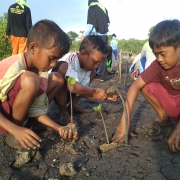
<point>71,107</point>
<point>104,127</point>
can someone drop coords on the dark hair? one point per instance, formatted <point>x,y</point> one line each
<point>114,35</point>
<point>93,43</point>
<point>90,1</point>
<point>47,34</point>
<point>165,33</point>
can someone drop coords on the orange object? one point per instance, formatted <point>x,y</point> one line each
<point>18,44</point>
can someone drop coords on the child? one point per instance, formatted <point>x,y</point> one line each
<point>81,66</point>
<point>114,45</point>
<point>160,82</point>
<point>110,60</point>
<point>25,87</point>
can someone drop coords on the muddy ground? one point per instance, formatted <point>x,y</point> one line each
<point>147,157</point>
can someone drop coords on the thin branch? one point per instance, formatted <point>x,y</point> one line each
<point>104,126</point>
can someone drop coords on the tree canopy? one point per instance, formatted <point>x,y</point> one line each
<point>73,35</point>
<point>5,47</point>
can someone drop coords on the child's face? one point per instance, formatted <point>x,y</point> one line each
<point>167,56</point>
<point>90,61</point>
<point>45,59</point>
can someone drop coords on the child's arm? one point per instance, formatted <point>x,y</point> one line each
<point>26,137</point>
<point>131,97</point>
<point>88,92</point>
<point>66,134</point>
<point>174,139</point>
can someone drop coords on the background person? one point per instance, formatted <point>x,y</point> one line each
<point>111,62</point>
<point>142,61</point>
<point>114,45</point>
<point>97,24</point>
<point>18,25</point>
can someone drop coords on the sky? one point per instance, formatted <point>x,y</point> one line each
<point>128,18</point>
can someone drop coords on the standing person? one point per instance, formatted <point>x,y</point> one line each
<point>160,82</point>
<point>114,45</point>
<point>25,87</point>
<point>97,24</point>
<point>18,26</point>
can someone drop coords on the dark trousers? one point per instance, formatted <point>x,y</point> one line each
<point>102,66</point>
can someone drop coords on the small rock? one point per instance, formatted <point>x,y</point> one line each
<point>67,169</point>
<point>90,142</point>
<point>107,147</point>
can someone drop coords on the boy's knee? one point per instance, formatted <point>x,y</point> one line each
<point>154,87</point>
<point>30,81</point>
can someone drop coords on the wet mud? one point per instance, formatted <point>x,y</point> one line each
<point>147,157</point>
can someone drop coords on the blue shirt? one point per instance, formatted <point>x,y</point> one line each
<point>92,31</point>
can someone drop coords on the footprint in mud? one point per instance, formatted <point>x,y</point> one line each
<point>154,131</point>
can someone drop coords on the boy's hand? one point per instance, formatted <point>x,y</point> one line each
<point>67,133</point>
<point>174,142</point>
<point>174,139</point>
<point>135,73</point>
<point>27,138</point>
<point>114,98</point>
<point>100,94</point>
<point>119,134</point>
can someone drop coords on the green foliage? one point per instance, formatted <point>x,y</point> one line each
<point>75,46</point>
<point>72,35</point>
<point>98,108</point>
<point>150,30</point>
<point>81,32</point>
<point>5,47</point>
<point>71,81</point>
<point>133,45</point>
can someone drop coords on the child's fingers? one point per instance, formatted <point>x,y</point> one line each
<point>75,135</point>
<point>32,143</point>
<point>24,145</point>
<point>177,146</point>
<point>172,147</point>
<point>118,138</point>
<point>64,134</point>
<point>70,134</point>
<point>35,136</point>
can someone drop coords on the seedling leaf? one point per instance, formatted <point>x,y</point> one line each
<point>96,108</point>
<point>71,81</point>
<point>100,106</point>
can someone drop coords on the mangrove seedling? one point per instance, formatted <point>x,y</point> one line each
<point>71,81</point>
<point>99,108</point>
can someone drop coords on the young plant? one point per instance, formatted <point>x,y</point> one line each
<point>99,108</point>
<point>71,81</point>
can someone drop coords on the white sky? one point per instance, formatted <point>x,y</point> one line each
<point>128,18</point>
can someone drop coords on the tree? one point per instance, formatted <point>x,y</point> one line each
<point>73,35</point>
<point>150,30</point>
<point>81,32</point>
<point>5,47</point>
